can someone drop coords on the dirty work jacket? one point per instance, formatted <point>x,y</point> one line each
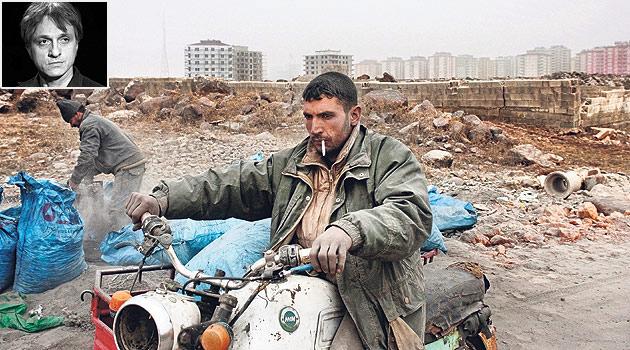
<point>105,148</point>
<point>381,198</point>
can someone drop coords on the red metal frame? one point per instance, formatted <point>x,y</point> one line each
<point>101,315</point>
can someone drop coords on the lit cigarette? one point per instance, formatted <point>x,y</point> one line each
<point>323,148</point>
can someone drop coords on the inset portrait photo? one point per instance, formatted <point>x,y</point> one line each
<point>54,44</point>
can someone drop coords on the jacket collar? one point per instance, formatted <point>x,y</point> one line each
<point>359,155</point>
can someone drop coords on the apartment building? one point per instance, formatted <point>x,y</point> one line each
<point>372,68</point>
<point>214,58</point>
<point>327,61</point>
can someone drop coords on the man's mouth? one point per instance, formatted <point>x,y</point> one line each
<point>56,63</point>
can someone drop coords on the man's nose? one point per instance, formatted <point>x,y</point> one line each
<point>55,50</point>
<point>317,125</point>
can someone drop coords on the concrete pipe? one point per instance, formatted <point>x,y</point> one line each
<point>562,184</point>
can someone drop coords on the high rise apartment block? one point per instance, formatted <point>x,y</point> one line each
<point>614,59</point>
<point>372,68</point>
<point>214,58</point>
<point>441,65</point>
<point>327,61</point>
<point>415,68</point>
<point>394,66</point>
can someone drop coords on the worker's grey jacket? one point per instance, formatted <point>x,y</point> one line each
<point>105,148</point>
<point>381,202</point>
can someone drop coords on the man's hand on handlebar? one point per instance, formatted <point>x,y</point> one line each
<point>139,204</point>
<point>329,250</point>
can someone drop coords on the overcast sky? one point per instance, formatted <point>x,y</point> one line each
<point>286,30</point>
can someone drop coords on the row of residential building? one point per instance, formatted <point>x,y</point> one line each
<point>614,59</point>
<point>232,62</point>
<point>444,65</point>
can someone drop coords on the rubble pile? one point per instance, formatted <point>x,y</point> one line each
<point>514,209</point>
<point>610,80</point>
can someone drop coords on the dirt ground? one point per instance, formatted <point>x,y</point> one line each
<point>551,294</point>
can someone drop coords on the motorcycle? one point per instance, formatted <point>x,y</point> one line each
<point>276,304</point>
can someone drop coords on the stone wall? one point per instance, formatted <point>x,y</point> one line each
<point>553,103</point>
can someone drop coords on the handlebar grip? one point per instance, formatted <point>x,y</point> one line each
<point>145,216</point>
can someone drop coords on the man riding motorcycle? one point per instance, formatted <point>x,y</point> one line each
<point>344,189</point>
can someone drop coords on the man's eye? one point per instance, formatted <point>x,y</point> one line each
<point>64,40</point>
<point>308,116</point>
<point>42,42</point>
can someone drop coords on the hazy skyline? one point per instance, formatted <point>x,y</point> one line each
<point>286,30</point>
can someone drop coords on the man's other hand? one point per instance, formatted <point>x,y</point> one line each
<point>139,204</point>
<point>329,250</point>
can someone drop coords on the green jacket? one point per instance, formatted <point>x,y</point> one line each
<point>105,148</point>
<point>381,203</point>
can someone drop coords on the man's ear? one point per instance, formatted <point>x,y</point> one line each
<point>355,115</point>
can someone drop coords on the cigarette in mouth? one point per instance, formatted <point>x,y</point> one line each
<point>323,148</point>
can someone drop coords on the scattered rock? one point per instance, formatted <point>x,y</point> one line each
<point>593,180</point>
<point>31,99</point>
<point>154,105</point>
<point>438,158</point>
<point>425,110</point>
<point>133,89</point>
<point>265,136</point>
<point>38,156</point>
<point>587,210</point>
<point>191,112</point>
<point>528,154</point>
<point>470,119</point>
<point>387,78</point>
<point>5,107</point>
<point>122,114</point>
<point>498,239</point>
<point>408,128</point>
<point>81,98</point>
<point>205,86</point>
<point>532,237</point>
<point>607,200</point>
<point>441,122</point>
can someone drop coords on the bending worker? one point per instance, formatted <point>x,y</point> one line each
<point>106,149</point>
<point>356,198</point>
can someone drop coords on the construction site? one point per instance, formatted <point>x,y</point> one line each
<point>554,252</point>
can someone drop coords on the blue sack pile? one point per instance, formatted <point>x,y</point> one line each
<point>189,237</point>
<point>8,244</point>
<point>49,248</point>
<point>450,213</point>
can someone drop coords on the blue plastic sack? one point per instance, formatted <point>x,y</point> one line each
<point>189,237</point>
<point>450,213</point>
<point>50,236</point>
<point>8,244</point>
<point>435,240</point>
<point>233,252</point>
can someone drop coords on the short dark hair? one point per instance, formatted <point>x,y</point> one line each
<point>332,84</point>
<point>61,13</point>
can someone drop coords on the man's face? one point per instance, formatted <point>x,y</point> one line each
<point>326,120</point>
<point>75,121</point>
<point>53,50</point>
